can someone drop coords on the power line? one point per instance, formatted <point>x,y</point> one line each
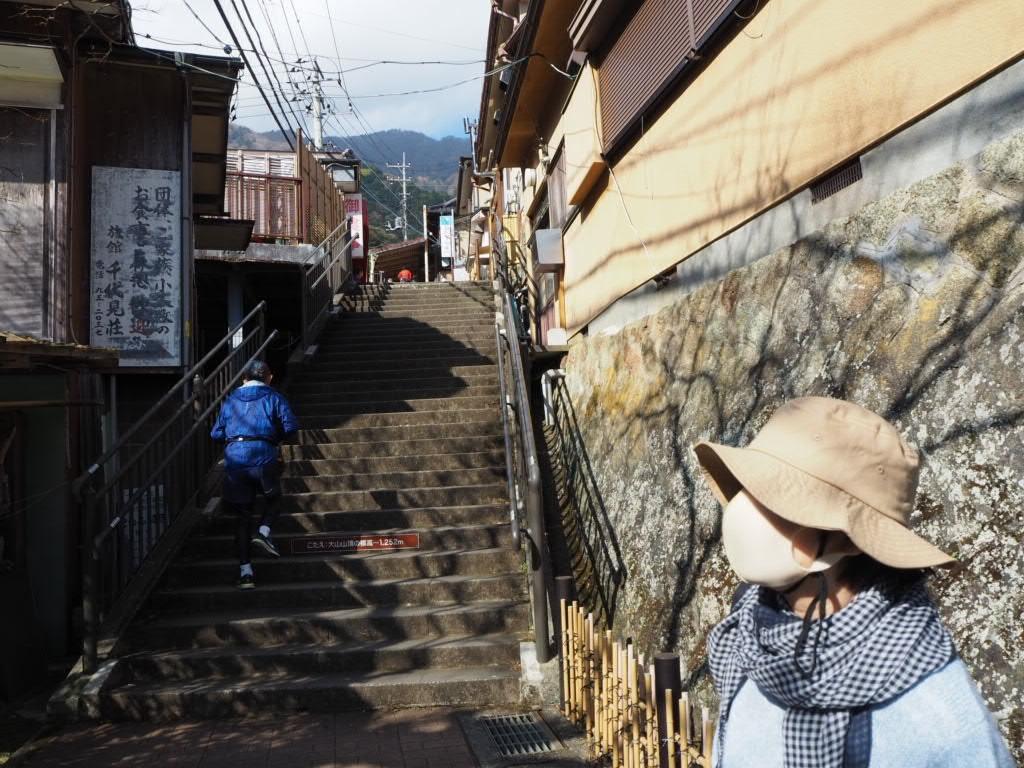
<point>295,62</point>
<point>337,49</point>
<point>403,166</point>
<point>204,25</point>
<point>256,82</point>
<point>262,63</point>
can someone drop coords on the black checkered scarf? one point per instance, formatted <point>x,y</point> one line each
<point>877,647</point>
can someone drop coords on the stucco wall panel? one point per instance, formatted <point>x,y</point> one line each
<point>807,84</point>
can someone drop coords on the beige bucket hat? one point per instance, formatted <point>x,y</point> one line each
<point>832,465</point>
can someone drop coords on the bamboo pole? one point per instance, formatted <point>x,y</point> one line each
<point>684,727</point>
<point>570,663</point>
<point>580,669</point>
<point>617,756</point>
<point>652,720</point>
<point>589,672</point>
<point>634,708</point>
<point>670,728</point>
<point>563,614</point>
<point>601,747</point>
<point>608,692</point>
<point>707,736</point>
<point>574,624</point>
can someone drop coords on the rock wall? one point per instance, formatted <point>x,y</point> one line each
<point>913,307</point>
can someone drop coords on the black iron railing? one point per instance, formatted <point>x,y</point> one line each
<point>322,277</point>
<point>133,493</point>
<point>526,506</point>
<point>593,549</point>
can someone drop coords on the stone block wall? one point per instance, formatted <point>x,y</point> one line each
<point>912,307</point>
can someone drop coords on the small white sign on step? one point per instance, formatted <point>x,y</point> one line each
<point>361,542</point>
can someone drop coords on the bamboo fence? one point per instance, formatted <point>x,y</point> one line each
<point>609,692</point>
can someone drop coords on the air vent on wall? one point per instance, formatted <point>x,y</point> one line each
<point>839,179</point>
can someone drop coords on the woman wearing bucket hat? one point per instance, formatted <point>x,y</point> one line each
<point>836,656</point>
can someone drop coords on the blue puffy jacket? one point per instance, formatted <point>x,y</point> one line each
<point>254,411</point>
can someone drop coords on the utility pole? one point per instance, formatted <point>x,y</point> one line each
<point>318,109</point>
<point>426,248</point>
<point>404,166</point>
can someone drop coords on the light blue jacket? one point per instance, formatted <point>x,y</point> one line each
<point>942,722</point>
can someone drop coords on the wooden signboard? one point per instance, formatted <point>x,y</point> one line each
<point>136,264</point>
<point>361,542</point>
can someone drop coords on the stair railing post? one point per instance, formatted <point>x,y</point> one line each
<point>564,596</point>
<point>90,582</point>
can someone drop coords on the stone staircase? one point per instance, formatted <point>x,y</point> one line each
<point>401,434</point>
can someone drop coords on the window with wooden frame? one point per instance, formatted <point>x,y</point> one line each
<point>660,43</point>
<point>558,200</point>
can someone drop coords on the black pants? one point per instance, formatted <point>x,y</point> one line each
<point>241,487</point>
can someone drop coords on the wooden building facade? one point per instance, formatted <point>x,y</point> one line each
<point>76,95</point>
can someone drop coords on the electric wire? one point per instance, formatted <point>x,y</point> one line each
<point>256,82</point>
<point>262,63</point>
<point>263,48</point>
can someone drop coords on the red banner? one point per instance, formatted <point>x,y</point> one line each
<point>359,542</point>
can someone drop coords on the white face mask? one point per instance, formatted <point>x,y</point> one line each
<point>759,551</point>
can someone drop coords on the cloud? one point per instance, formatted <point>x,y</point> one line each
<point>365,31</point>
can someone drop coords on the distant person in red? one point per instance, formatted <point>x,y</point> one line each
<point>405,276</point>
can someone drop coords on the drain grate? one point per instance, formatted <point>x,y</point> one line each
<point>515,735</point>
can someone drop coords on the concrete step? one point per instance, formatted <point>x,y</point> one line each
<point>330,595</point>
<point>429,289</point>
<point>424,478</point>
<point>339,331</point>
<point>359,520</point>
<point>380,446</point>
<point>221,543</point>
<point>433,318</point>
<point>259,695</point>
<point>438,323</point>
<point>342,626</point>
<point>387,383</point>
<point>415,308</point>
<point>307,412</point>
<point>328,396</point>
<point>404,418</point>
<point>312,378</point>
<point>404,564</point>
<point>357,304</point>
<point>435,462</point>
<point>318,660</point>
<point>436,366</point>
<point>491,493</point>
<point>404,343</point>
<point>387,352</point>
<point>485,427</point>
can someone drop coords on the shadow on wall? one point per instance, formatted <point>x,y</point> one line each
<point>913,308</point>
<point>591,548</point>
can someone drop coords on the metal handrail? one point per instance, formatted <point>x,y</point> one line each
<point>133,492</point>
<point>180,386</point>
<point>323,275</point>
<point>521,457</point>
<point>515,504</point>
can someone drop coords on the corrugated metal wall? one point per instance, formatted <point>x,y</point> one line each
<point>24,235</point>
<point>652,49</point>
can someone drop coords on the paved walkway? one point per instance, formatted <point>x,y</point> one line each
<point>404,739</point>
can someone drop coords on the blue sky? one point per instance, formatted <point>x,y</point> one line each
<point>364,32</point>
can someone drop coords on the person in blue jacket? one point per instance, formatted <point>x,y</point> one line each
<point>253,421</point>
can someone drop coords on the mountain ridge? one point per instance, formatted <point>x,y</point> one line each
<point>435,162</point>
<point>437,159</point>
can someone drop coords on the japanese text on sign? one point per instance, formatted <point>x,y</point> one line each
<point>136,264</point>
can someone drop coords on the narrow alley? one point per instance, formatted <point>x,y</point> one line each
<point>507,383</point>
